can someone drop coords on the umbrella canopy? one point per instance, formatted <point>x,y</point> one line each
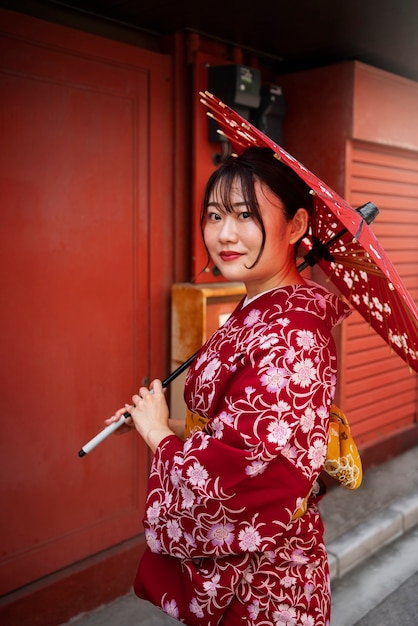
<point>341,242</point>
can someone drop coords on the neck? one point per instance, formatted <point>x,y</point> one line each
<point>290,278</point>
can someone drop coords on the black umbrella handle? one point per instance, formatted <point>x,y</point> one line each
<point>320,251</point>
<point>179,370</point>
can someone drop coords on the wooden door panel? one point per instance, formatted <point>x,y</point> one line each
<point>74,222</point>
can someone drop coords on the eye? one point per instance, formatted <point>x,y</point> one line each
<point>245,215</point>
<point>212,216</point>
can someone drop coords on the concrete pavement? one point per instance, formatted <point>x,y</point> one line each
<point>358,525</point>
<point>364,591</point>
<point>399,607</point>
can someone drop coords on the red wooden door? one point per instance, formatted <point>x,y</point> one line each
<point>85,129</point>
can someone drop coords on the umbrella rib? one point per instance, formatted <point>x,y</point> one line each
<point>349,296</point>
<point>404,317</point>
<point>356,262</point>
<point>396,311</point>
<point>400,315</point>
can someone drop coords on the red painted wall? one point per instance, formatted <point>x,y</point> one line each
<point>86,200</point>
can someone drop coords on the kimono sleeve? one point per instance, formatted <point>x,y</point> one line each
<point>234,487</point>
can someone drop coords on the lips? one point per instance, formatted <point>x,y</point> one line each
<point>229,255</point>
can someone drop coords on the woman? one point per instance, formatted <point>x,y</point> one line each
<point>227,540</point>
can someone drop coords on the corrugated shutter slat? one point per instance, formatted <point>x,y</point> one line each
<point>378,392</point>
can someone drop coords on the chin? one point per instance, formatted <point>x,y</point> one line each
<point>231,275</point>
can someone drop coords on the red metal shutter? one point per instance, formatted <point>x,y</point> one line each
<point>377,390</point>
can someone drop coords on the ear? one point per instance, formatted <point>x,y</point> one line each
<point>300,223</point>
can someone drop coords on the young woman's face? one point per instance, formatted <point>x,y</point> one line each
<point>234,240</point>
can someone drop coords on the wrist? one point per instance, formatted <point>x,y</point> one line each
<point>156,435</point>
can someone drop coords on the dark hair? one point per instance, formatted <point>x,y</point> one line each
<point>261,164</point>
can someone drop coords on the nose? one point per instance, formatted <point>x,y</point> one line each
<point>228,231</point>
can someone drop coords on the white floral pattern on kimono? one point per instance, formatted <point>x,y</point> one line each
<point>219,523</point>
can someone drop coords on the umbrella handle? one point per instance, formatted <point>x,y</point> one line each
<point>103,434</point>
<point>319,250</point>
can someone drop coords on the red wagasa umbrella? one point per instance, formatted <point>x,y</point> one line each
<point>341,242</point>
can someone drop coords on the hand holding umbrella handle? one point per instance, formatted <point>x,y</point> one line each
<point>103,434</point>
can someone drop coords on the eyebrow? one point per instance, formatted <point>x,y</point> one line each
<point>234,204</point>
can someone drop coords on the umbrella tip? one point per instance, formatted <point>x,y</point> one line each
<point>368,212</point>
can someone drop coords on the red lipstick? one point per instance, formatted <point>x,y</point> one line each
<point>229,255</point>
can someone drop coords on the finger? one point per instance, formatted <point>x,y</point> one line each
<point>118,414</point>
<point>143,392</point>
<point>129,423</point>
<point>136,399</point>
<point>115,417</point>
<point>157,386</point>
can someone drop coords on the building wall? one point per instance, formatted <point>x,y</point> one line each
<point>86,229</point>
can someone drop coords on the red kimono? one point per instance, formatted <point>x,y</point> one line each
<point>224,545</point>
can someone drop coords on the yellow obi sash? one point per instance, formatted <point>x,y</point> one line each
<point>343,459</point>
<point>342,462</point>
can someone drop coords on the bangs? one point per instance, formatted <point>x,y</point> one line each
<point>221,185</point>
